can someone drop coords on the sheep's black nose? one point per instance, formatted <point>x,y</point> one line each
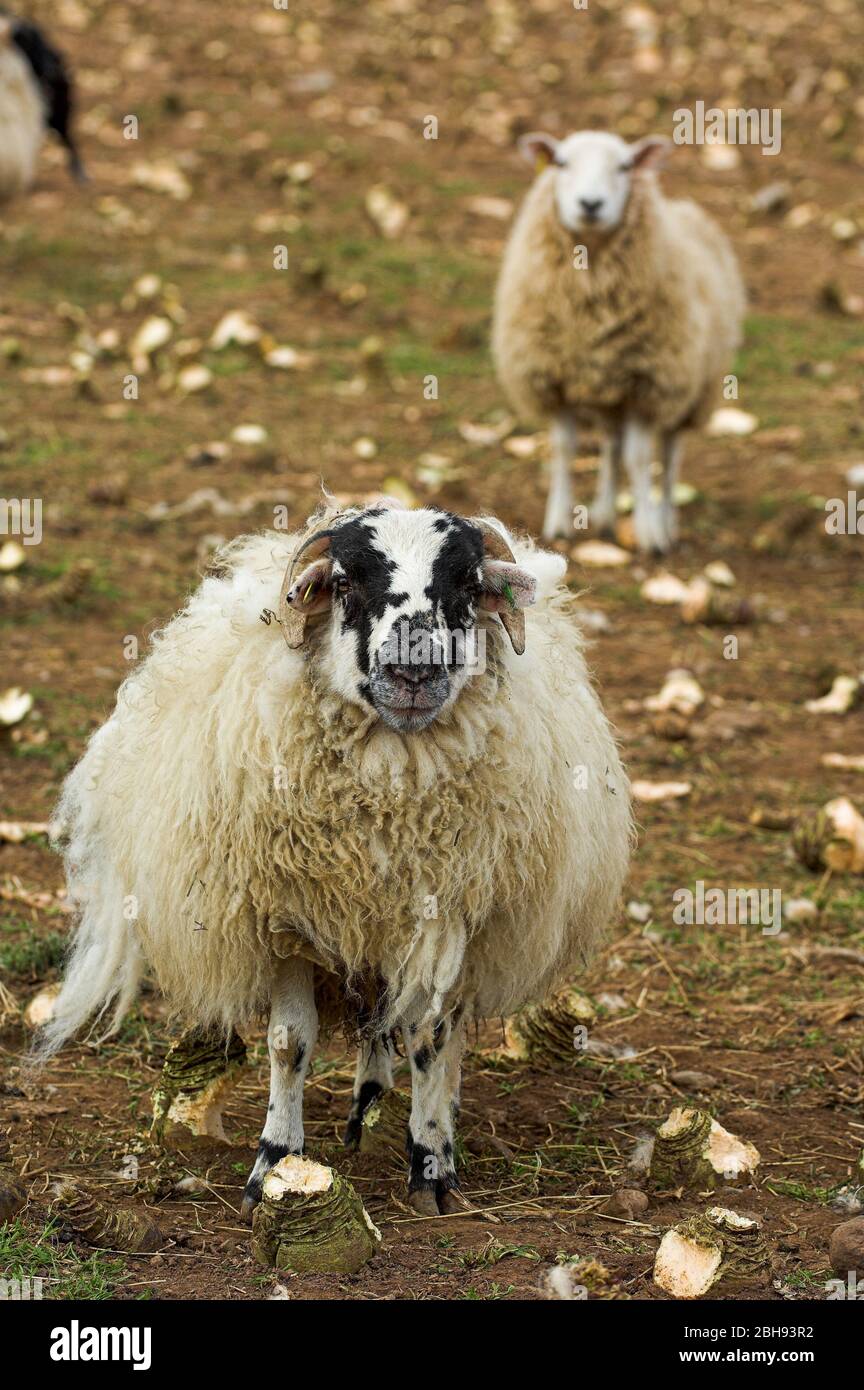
<point>591,206</point>
<point>415,674</point>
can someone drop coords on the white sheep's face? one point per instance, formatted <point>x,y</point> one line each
<point>402,591</point>
<point>594,174</point>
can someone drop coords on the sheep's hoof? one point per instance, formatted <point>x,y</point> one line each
<point>351,1137</point>
<point>446,1202</point>
<point>452,1202</point>
<point>423,1202</point>
<point>251,1198</point>
<point>269,1155</point>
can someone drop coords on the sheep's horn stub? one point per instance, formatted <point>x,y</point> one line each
<point>292,621</point>
<point>496,548</point>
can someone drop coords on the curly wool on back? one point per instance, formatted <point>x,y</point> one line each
<point>232,810</point>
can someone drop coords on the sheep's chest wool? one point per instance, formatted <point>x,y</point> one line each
<point>392,852</point>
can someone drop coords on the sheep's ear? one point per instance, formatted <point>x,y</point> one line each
<point>506,590</point>
<point>649,153</point>
<point>538,149</point>
<point>311,592</point>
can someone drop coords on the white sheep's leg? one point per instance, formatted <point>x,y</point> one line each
<point>559,503</point>
<point>291,1037</point>
<point>374,1076</point>
<point>638,450</point>
<point>434,1046</point>
<point>671,465</point>
<point>604,509</point>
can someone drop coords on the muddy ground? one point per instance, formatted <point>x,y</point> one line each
<point>272,127</point>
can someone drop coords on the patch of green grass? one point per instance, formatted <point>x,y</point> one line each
<point>33,957</point>
<point>65,1273</point>
<point>807,1278</point>
<point>774,346</point>
<point>801,1191</point>
<point>419,359</point>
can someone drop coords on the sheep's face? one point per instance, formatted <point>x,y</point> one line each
<point>403,590</point>
<point>594,173</point>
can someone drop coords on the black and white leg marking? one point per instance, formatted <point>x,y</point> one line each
<point>434,1047</point>
<point>373,1076</point>
<point>291,1037</point>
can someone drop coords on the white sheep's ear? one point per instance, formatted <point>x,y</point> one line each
<point>506,590</point>
<point>649,154</point>
<point>538,149</point>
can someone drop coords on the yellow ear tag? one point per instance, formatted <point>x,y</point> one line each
<point>308,592</point>
<point>543,160</point>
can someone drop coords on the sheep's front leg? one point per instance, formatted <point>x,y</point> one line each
<point>559,504</point>
<point>373,1076</point>
<point>638,451</point>
<point>434,1046</point>
<point>604,509</point>
<point>291,1037</point>
<point>671,465</point>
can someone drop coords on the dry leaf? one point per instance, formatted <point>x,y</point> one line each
<point>153,334</point>
<point>523,446</point>
<point>194,378</point>
<point>499,208</point>
<point>14,832</point>
<point>730,420</point>
<point>665,589</point>
<point>681,692</point>
<point>842,697</point>
<point>12,557</point>
<point>845,762</point>
<point>161,176</point>
<point>235,327</point>
<point>250,435</point>
<point>660,791</point>
<point>288,359</point>
<point>485,435</point>
<point>601,554</point>
<point>15,704</point>
<point>389,216</point>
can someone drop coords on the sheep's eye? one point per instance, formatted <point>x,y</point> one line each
<point>626,166</point>
<point>342,586</point>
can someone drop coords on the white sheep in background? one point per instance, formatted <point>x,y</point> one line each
<point>35,93</point>
<point>275,799</point>
<point>617,309</point>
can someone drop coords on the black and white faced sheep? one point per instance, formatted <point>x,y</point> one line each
<point>35,94</point>
<point>619,310</point>
<point>350,764</point>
